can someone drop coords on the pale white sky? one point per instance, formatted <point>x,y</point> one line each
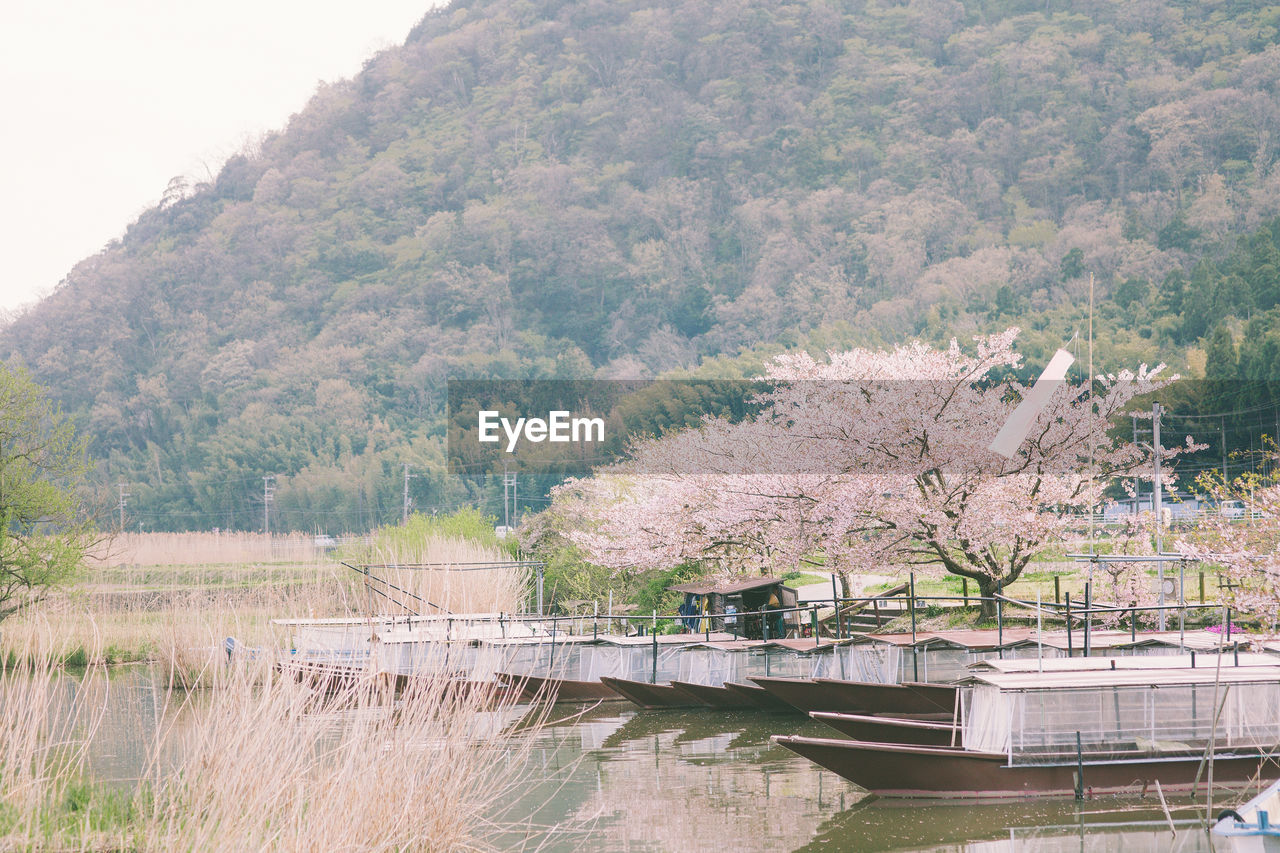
<point>105,100</point>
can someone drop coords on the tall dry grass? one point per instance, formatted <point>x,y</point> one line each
<point>262,762</point>
<point>184,631</point>
<point>259,761</point>
<point>43,735</point>
<point>447,574</point>
<point>266,768</point>
<point>201,548</point>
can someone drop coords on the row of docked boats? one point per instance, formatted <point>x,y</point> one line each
<point>969,714</point>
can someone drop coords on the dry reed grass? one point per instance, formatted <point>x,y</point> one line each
<point>184,631</point>
<point>265,768</point>
<point>42,736</point>
<point>198,549</point>
<point>451,576</point>
<point>260,761</point>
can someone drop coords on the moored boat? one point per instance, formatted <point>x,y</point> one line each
<point>715,696</point>
<point>536,688</point>
<point>832,694</point>
<point>892,729</point>
<point>761,698</point>
<point>898,770</point>
<point>649,695</point>
<point>1053,733</point>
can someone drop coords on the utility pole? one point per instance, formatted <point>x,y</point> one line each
<point>508,497</point>
<point>1224,450</point>
<point>123,501</point>
<point>1157,500</point>
<point>404,515</point>
<point>268,495</point>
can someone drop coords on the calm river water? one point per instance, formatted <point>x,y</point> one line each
<point>613,778</point>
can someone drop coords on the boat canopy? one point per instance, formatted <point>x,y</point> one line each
<point>938,658</point>
<point>1035,717</point>
<point>1123,661</point>
<point>713,665</point>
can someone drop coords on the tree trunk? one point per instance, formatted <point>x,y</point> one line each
<point>988,588</point>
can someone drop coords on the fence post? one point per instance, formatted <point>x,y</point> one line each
<point>1057,589</point>
<point>817,641</point>
<point>964,591</point>
<point>1202,586</point>
<point>1088,616</point>
<point>1000,626</point>
<point>655,647</point>
<point>1079,769</point>
<point>835,603</point>
<point>1069,649</point>
<point>911,605</point>
<point>551,662</point>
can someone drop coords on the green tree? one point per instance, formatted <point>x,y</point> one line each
<point>46,531</point>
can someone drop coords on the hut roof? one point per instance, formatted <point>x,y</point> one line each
<point>706,588</point>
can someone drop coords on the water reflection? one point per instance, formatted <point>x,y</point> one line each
<point>622,780</point>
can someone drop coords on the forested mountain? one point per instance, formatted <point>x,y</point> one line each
<point>619,188</point>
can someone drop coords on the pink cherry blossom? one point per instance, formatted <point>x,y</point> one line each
<point>866,461</point>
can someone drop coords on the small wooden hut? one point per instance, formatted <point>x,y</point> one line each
<point>746,608</point>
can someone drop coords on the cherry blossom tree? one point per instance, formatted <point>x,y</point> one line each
<point>867,460</point>
<point>1245,545</point>
<point>1127,583</point>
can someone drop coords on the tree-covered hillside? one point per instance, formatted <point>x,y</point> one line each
<point>618,188</point>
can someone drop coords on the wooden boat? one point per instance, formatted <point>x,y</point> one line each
<point>763,699</point>
<point>330,677</point>
<point>333,679</point>
<point>888,729</point>
<point>833,694</point>
<point>715,696</point>
<point>535,688</point>
<point>896,770</point>
<point>1101,731</point>
<point>652,695</point>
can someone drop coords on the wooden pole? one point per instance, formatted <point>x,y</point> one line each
<point>655,647</point>
<point>835,603</point>
<point>911,605</point>
<point>1069,649</point>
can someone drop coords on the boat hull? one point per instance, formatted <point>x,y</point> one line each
<point>890,729</point>
<point>895,770</point>
<point>652,695</point>
<point>761,698</point>
<point>336,679</point>
<point>533,688</point>
<point>715,697</point>
<point>835,695</point>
